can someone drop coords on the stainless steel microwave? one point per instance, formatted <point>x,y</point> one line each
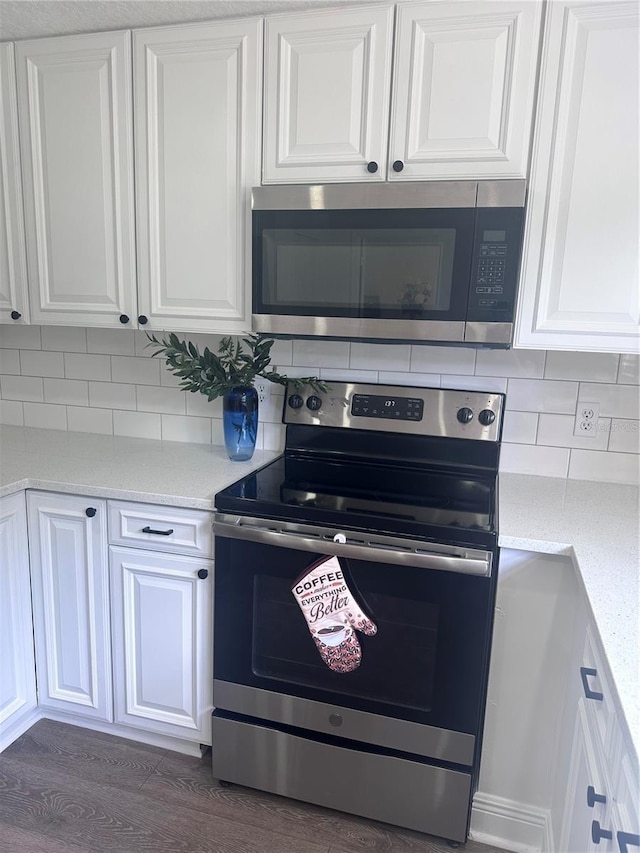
<point>432,262</point>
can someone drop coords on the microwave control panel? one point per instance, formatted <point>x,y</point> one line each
<point>496,260</point>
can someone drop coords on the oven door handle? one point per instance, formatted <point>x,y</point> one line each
<point>363,546</point>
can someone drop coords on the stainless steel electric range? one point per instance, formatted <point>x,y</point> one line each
<point>354,596</point>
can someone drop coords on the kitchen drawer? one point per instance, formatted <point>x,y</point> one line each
<point>601,712</point>
<point>160,528</point>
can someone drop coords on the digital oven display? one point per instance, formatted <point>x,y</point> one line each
<point>392,408</point>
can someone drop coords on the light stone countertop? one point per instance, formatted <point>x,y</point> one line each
<point>596,525</point>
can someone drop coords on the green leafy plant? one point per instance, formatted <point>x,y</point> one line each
<point>233,367</point>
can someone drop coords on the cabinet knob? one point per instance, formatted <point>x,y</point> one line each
<point>90,511</point>
<point>124,319</point>
<point>203,573</point>
<point>143,320</point>
<point>627,839</point>
<point>398,166</point>
<point>598,833</point>
<point>15,315</point>
<point>585,673</point>
<point>372,167</point>
<point>593,798</point>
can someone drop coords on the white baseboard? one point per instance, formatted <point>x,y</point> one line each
<point>510,825</point>
<point>13,732</point>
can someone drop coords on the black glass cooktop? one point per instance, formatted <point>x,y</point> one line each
<point>435,505</point>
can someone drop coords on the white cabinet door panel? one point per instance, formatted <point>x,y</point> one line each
<point>327,85</point>
<point>198,154</point>
<point>162,642</point>
<point>74,97</point>
<point>71,603</point>
<point>17,670</point>
<point>13,261</point>
<point>464,85</point>
<point>580,285</point>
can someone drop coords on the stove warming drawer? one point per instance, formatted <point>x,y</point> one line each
<point>381,787</point>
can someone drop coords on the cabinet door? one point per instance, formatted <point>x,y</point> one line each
<point>18,670</point>
<point>327,85</point>
<point>464,86</point>
<point>197,156</point>
<point>13,265</point>
<point>162,642</point>
<point>74,100</point>
<point>579,287</point>
<point>69,572</point>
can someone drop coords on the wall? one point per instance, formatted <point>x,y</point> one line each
<point>104,381</point>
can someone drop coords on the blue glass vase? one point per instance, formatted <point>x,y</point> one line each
<point>240,422</point>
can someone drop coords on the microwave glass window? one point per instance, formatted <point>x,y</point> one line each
<point>370,272</point>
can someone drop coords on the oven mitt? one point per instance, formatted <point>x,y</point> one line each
<point>332,614</point>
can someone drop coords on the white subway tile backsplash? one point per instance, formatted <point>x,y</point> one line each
<point>588,366</point>
<point>624,436</point>
<point>81,419</point>
<point>22,388</point>
<point>72,392</point>
<point>217,431</point>
<point>64,338</point>
<point>87,366</point>
<point>273,437</point>
<point>136,370</point>
<point>45,416</point>
<point>199,406</point>
<point>282,352</point>
<point>605,466</point>
<point>11,413</point>
<point>137,424</point>
<point>474,383</point>
<point>333,374</point>
<point>557,431</point>
<point>20,337</point>
<point>451,360</point>
<point>10,361</point>
<point>520,427</point>
<point>321,353</point>
<point>179,428</point>
<point>168,401</point>
<point>616,401</point>
<point>112,395</point>
<point>396,357</point>
<point>111,341</point>
<point>526,364</point>
<point>168,379</point>
<point>542,395</point>
<point>41,363</point>
<point>534,459</point>
<point>421,380</point>
<point>629,369</point>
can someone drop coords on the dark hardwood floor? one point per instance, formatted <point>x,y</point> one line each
<point>69,790</point>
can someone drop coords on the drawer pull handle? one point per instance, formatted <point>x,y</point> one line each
<point>157,532</point>
<point>90,511</point>
<point>593,798</point>
<point>203,574</point>
<point>585,672</point>
<point>627,839</point>
<point>598,833</point>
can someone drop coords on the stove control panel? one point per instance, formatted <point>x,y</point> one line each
<point>442,412</point>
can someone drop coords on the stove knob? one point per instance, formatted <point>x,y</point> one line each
<point>296,401</point>
<point>313,403</point>
<point>486,417</point>
<point>464,415</point>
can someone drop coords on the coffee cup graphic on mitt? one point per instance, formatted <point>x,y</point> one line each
<point>332,614</point>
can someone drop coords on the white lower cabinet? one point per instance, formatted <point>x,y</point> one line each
<point>162,646</point>
<point>17,671</point>
<point>69,574</point>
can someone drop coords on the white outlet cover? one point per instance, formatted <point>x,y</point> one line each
<point>586,422</point>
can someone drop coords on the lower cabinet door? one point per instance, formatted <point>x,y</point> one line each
<point>69,574</point>
<point>18,669</point>
<point>162,642</point>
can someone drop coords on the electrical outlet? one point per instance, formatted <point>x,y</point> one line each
<point>263,387</point>
<point>586,422</point>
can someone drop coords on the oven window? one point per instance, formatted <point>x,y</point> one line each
<point>398,663</point>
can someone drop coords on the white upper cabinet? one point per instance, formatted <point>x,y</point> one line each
<point>464,85</point>
<point>460,105</point>
<point>14,306</point>
<point>74,97</point>
<point>579,288</point>
<point>327,88</point>
<point>197,131</point>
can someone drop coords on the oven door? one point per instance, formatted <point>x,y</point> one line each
<point>426,665</point>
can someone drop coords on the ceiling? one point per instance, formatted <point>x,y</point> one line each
<point>22,19</point>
